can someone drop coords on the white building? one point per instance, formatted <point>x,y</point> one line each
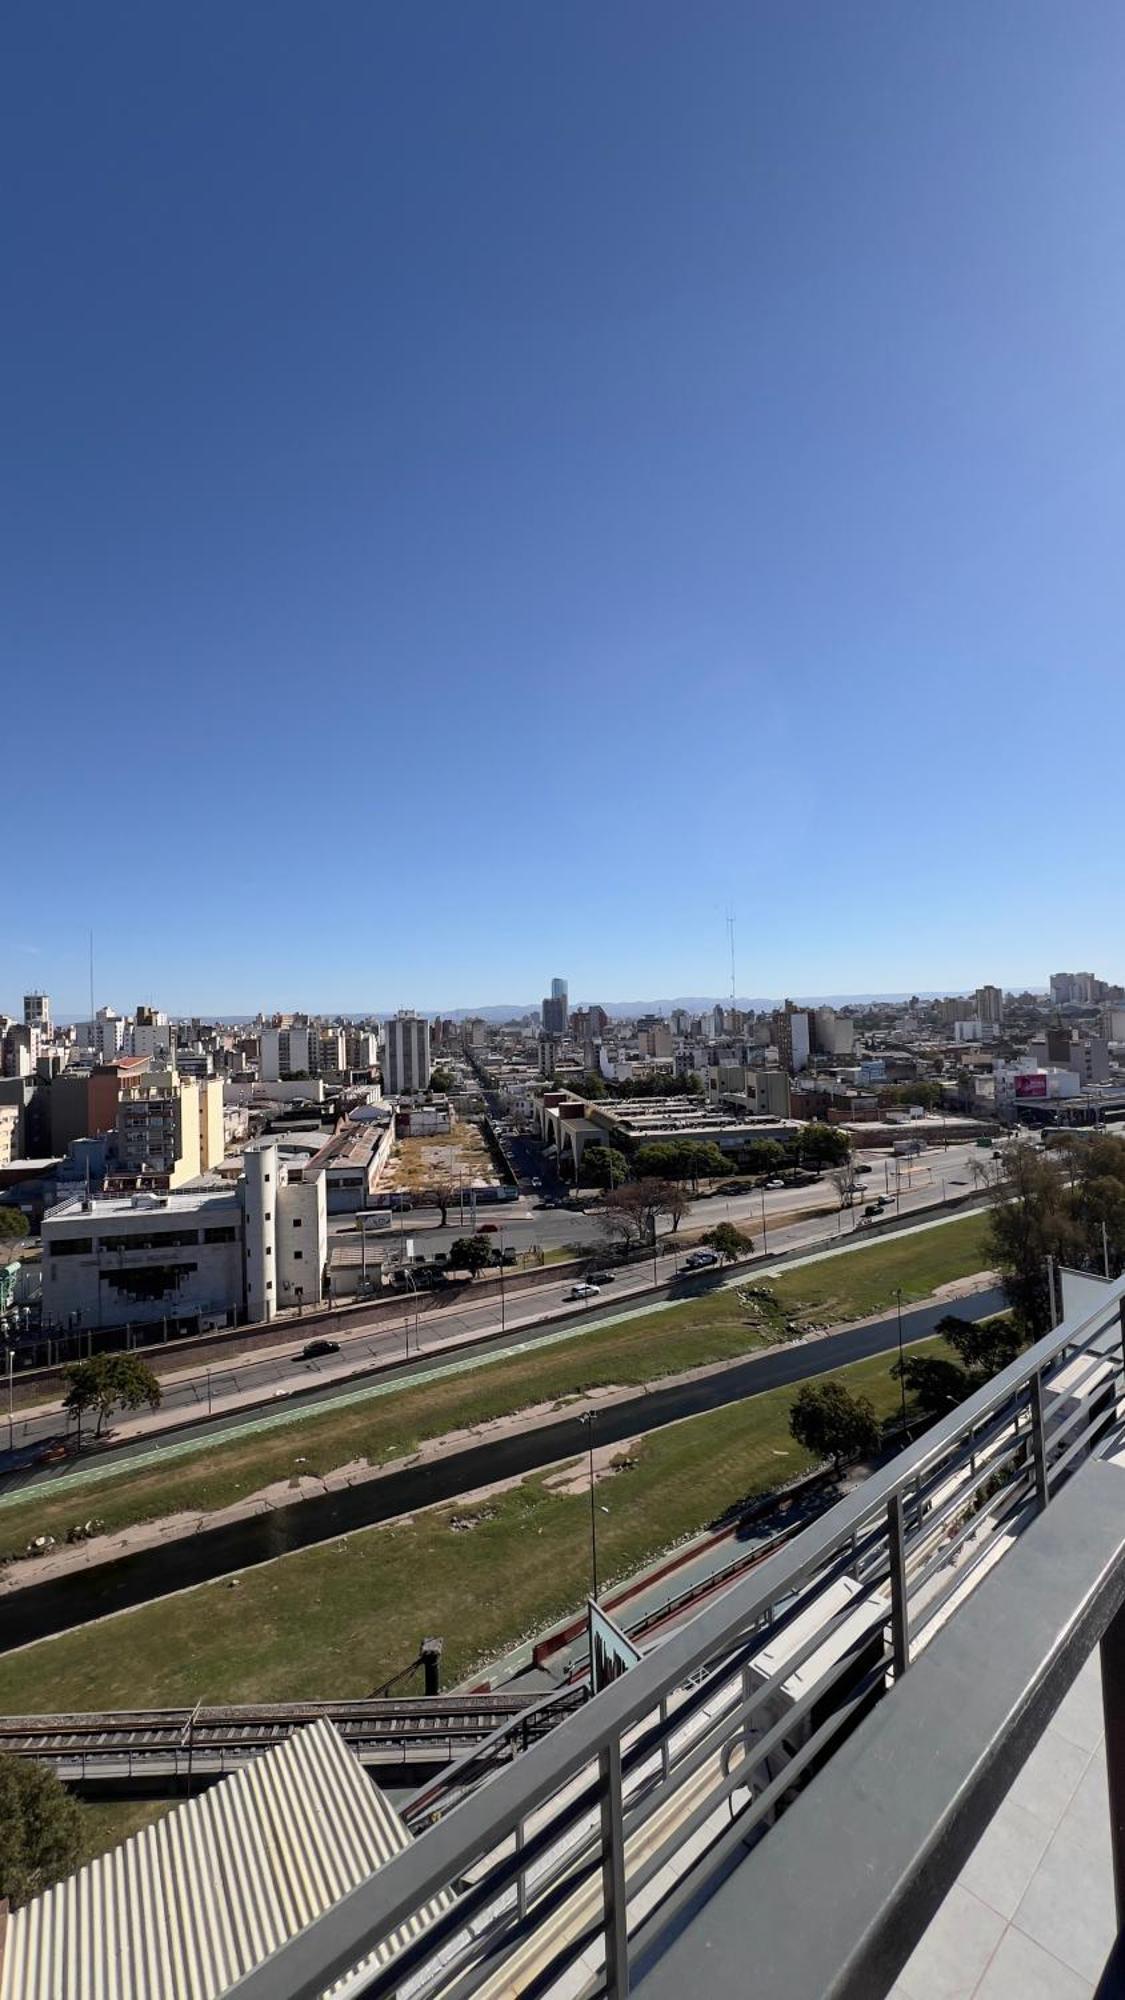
<point>1025,1082</point>
<point>105,1034</point>
<point>288,1052</point>
<point>193,1258</point>
<point>406,1054</point>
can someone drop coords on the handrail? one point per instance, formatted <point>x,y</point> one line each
<point>772,1595</point>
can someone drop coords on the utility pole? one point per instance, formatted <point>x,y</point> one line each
<point>587,1418</point>
<point>901,1375</point>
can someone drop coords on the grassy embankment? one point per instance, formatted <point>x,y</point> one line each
<point>717,1327</point>
<point>339,1619</point>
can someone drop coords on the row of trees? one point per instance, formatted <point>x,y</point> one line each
<point>1068,1204</point>
<point>693,1160</point>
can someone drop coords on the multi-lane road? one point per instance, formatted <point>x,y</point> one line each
<point>229,1390</point>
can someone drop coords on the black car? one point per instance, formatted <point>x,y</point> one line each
<point>601,1277</point>
<point>313,1349</point>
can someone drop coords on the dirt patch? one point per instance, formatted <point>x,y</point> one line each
<point>446,1159</point>
<point>959,1288</point>
<point>609,1460</point>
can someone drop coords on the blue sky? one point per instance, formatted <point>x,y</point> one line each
<point>490,488</point>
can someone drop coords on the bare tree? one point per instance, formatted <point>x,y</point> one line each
<point>843,1180</point>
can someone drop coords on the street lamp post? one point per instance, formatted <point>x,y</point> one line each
<point>11,1358</point>
<point>901,1375</point>
<point>503,1326</point>
<point>765,1235</point>
<point>587,1418</point>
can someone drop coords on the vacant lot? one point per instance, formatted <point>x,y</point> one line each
<point>460,1155</point>
<point>340,1619</point>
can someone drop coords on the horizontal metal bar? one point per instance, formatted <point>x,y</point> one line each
<point>325,1950</point>
<point>916,1781</point>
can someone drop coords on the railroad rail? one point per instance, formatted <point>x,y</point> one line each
<point>134,1750</point>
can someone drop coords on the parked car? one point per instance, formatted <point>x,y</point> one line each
<point>584,1291</point>
<point>699,1259</point>
<point>536,1182</point>
<point>313,1349</point>
<point>775,1184</point>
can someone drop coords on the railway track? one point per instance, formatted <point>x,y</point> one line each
<point>134,1749</point>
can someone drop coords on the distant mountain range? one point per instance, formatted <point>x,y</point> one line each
<point>692,1003</point>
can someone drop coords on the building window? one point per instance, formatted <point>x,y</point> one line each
<point>297,1256</point>
<point>296,1222</point>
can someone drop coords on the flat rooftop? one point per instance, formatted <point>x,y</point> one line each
<point>105,1207</point>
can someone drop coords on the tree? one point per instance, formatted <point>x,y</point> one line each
<point>13,1225</point>
<point>1032,1219</point>
<point>604,1167</point>
<point>470,1253</point>
<point>729,1242</point>
<point>630,1212</point>
<point>762,1156</point>
<point>984,1346</point>
<point>832,1423</point>
<point>442,1081</point>
<point>825,1145</point>
<point>936,1385</point>
<point>441,1194</point>
<point>843,1180</point>
<point>41,1830</point>
<point>109,1382</point>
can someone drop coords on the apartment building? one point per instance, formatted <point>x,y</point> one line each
<point>406,1054</point>
<point>169,1130</point>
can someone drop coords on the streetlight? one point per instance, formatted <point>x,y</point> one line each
<point>11,1359</point>
<point>765,1235</point>
<point>901,1375</point>
<point>502,1319</point>
<point>588,1418</point>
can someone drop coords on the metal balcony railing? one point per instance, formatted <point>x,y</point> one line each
<point>587,1851</point>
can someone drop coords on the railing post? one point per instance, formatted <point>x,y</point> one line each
<point>614,1923</point>
<point>521,1878</point>
<point>1113,1709</point>
<point>900,1612</point>
<point>1039,1441</point>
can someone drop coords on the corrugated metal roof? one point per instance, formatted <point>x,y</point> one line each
<point>190,1904</point>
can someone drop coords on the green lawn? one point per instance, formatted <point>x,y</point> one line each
<point>864,1282</point>
<point>717,1327</point>
<point>340,1619</point>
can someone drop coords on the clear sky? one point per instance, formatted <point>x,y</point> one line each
<point>489,487</point>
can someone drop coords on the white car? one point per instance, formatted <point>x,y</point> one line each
<point>583,1292</point>
<point>775,1184</point>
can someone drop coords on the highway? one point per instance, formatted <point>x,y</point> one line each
<point>37,1611</point>
<point>265,1375</point>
